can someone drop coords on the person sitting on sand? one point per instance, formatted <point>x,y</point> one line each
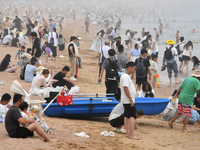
<point>170,58</point>
<point>15,41</point>
<point>23,107</point>
<point>186,94</point>
<point>116,117</point>
<point>196,63</point>
<point>8,39</point>
<point>39,85</point>
<point>14,117</point>
<point>62,79</point>
<point>5,67</point>
<point>4,106</point>
<point>146,88</point>
<point>30,70</point>
<point>195,118</point>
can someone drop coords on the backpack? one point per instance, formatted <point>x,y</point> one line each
<point>22,73</point>
<point>112,71</point>
<point>168,53</point>
<point>141,70</point>
<point>178,49</point>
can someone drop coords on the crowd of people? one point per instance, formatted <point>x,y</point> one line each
<point>122,61</point>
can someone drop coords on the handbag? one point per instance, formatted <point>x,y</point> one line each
<point>64,99</point>
<point>51,42</point>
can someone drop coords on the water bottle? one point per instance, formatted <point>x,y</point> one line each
<point>173,103</point>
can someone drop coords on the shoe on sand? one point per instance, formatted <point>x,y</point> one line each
<point>62,56</point>
<point>72,78</point>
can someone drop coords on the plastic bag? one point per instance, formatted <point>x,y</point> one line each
<point>74,90</point>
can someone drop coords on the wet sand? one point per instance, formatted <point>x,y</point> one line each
<point>155,134</point>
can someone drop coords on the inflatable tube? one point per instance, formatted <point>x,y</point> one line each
<point>194,31</point>
<point>195,41</point>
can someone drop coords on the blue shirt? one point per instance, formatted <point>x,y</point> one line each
<point>53,26</point>
<point>29,73</point>
<point>135,52</point>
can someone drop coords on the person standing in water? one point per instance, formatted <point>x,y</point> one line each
<point>177,36</point>
<point>170,58</point>
<point>161,28</point>
<point>143,30</point>
<point>157,34</point>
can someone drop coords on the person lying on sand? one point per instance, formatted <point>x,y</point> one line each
<point>14,118</point>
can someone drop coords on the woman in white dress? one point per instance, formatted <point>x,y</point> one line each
<point>39,85</point>
<point>98,41</point>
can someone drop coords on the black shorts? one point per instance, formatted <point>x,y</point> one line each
<point>127,41</point>
<point>180,59</point>
<point>185,57</point>
<point>157,36</point>
<point>141,80</point>
<point>22,133</point>
<point>61,47</point>
<point>129,111</point>
<point>117,122</point>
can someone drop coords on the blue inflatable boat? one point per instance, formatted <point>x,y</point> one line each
<point>102,107</point>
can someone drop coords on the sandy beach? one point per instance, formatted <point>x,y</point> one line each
<point>155,134</point>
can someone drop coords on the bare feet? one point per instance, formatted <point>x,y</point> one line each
<point>170,124</point>
<point>186,130</point>
<point>176,82</point>
<point>134,137</point>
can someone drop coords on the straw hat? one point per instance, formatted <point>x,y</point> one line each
<point>107,41</point>
<point>170,42</point>
<point>196,73</point>
<point>40,70</point>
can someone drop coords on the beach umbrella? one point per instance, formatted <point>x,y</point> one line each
<point>17,88</point>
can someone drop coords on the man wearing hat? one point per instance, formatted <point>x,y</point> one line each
<point>170,58</point>
<point>186,94</point>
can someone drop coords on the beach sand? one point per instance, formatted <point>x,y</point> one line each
<point>155,134</point>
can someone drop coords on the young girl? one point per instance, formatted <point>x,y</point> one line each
<point>154,69</point>
<point>48,52</point>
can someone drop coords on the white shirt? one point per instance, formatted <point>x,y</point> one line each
<point>36,31</point>
<point>144,38</point>
<point>142,93</point>
<point>54,37</point>
<point>125,81</point>
<point>154,65</point>
<point>24,115</point>
<point>105,50</point>
<point>7,38</point>
<point>112,33</point>
<point>151,45</point>
<point>127,37</point>
<point>187,52</point>
<point>181,45</point>
<point>3,110</point>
